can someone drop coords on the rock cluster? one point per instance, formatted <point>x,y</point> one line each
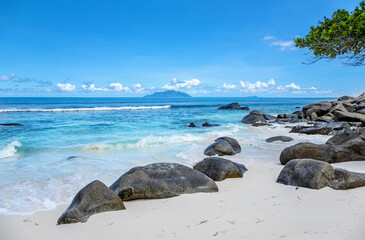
<point>154,181</point>
<point>257,117</point>
<point>346,108</point>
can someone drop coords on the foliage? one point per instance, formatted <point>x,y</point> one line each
<point>341,36</point>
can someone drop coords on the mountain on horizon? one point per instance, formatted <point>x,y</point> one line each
<point>169,93</point>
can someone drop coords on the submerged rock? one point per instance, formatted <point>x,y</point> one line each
<point>219,169</point>
<point>11,125</point>
<point>208,124</point>
<point>279,139</point>
<point>93,198</point>
<point>161,180</point>
<point>192,125</point>
<point>223,146</point>
<point>233,106</point>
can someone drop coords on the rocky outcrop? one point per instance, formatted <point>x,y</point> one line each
<point>161,180</point>
<point>92,199</point>
<point>223,146</point>
<point>279,139</point>
<point>192,125</point>
<point>323,130</point>
<point>343,109</point>
<point>344,147</point>
<point>219,169</point>
<point>233,106</point>
<point>315,174</point>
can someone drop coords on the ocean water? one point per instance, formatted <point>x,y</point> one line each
<point>67,142</point>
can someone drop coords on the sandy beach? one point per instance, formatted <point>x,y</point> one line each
<point>252,207</point>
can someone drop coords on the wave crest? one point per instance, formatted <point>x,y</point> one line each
<point>10,149</point>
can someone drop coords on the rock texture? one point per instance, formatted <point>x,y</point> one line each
<point>306,173</point>
<point>223,146</point>
<point>347,146</point>
<point>92,199</point>
<point>161,180</point>
<point>219,169</point>
<point>316,174</point>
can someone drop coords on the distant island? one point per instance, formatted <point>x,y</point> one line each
<point>169,93</point>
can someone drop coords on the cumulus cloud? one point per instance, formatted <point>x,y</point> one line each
<point>292,86</point>
<point>186,84</point>
<point>257,86</point>
<point>119,87</point>
<point>7,77</point>
<point>67,87</point>
<point>92,87</point>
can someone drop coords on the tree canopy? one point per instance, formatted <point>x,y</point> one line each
<point>341,36</point>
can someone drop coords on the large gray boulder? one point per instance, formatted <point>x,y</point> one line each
<point>223,146</point>
<point>233,106</point>
<point>306,173</point>
<point>349,116</point>
<point>254,117</point>
<point>315,174</point>
<point>345,179</point>
<point>219,169</point>
<point>161,180</point>
<point>344,147</point>
<point>93,198</point>
<point>279,139</point>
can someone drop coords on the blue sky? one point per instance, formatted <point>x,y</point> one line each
<point>133,48</point>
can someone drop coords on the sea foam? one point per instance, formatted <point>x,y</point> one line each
<point>9,150</point>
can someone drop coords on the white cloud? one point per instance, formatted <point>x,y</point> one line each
<point>256,86</point>
<point>284,45</point>
<point>119,87</point>
<point>92,87</point>
<point>67,87</point>
<point>7,77</point>
<point>292,86</point>
<point>229,86</point>
<point>186,84</point>
<point>137,88</point>
<point>312,88</point>
<point>269,38</point>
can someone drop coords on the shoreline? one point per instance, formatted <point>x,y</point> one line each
<point>252,207</point>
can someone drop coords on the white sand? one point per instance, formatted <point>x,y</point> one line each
<point>252,207</point>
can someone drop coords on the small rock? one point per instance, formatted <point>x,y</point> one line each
<point>219,169</point>
<point>192,125</point>
<point>279,139</point>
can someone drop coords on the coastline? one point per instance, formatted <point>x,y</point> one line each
<point>252,207</point>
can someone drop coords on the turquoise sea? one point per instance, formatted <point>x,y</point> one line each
<point>65,143</point>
